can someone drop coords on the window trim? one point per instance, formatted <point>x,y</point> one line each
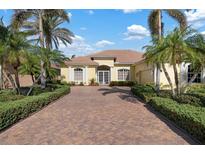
<point>123,74</point>
<point>190,74</point>
<point>78,70</point>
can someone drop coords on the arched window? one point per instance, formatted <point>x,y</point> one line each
<point>123,74</point>
<point>78,74</point>
<point>190,73</point>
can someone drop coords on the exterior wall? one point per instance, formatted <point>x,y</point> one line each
<point>109,63</point>
<point>163,80</point>
<point>65,74</point>
<point>91,73</point>
<point>144,73</point>
<point>132,73</point>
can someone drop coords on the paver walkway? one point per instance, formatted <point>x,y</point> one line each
<point>95,115</point>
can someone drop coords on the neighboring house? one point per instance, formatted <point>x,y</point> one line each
<point>118,65</point>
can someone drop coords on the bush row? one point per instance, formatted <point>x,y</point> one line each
<point>9,95</point>
<point>189,117</point>
<point>196,88</point>
<point>11,112</point>
<point>144,92</point>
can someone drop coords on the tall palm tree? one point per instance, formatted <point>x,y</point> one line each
<point>156,28</point>
<point>53,33</point>
<point>154,55</point>
<point>173,49</point>
<point>39,16</point>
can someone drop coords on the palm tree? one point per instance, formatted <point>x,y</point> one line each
<point>16,44</point>
<point>173,49</point>
<point>4,33</point>
<point>52,58</point>
<point>156,28</point>
<point>197,61</point>
<point>154,54</point>
<point>53,33</point>
<point>39,17</point>
<point>30,65</point>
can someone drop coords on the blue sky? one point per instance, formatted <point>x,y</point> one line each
<point>97,30</point>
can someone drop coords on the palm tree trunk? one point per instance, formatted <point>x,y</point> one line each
<point>16,75</point>
<point>32,78</point>
<point>168,79</point>
<point>43,75</point>
<point>10,79</point>
<point>158,65</point>
<point>190,81</point>
<point>176,79</point>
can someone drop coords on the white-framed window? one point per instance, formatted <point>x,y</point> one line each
<point>123,74</point>
<point>190,73</point>
<point>78,74</point>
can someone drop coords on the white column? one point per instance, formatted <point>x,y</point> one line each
<point>86,74</point>
<point>112,73</point>
<point>70,73</point>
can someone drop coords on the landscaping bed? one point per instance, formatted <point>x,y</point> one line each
<point>13,111</point>
<point>187,116</point>
<point>186,110</point>
<point>9,95</point>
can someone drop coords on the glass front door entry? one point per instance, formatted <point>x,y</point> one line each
<point>103,77</point>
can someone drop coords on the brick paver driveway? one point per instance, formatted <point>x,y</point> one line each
<point>95,115</point>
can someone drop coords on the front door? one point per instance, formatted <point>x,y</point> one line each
<point>103,77</point>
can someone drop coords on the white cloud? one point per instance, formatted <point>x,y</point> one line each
<point>136,32</point>
<point>196,18</point>
<point>83,28</point>
<point>90,12</point>
<point>69,15</point>
<point>203,33</point>
<point>104,43</point>
<point>78,47</point>
<point>126,11</point>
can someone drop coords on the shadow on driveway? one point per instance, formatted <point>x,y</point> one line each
<point>125,93</point>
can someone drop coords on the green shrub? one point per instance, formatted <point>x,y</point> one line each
<point>71,83</point>
<point>189,117</point>
<point>165,94</point>
<point>93,82</point>
<point>201,96</point>
<point>13,111</point>
<point>122,83</point>
<point>145,92</point>
<point>37,89</point>
<point>196,88</point>
<point>9,95</point>
<point>188,99</point>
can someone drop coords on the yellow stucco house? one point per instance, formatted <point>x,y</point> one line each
<point>118,65</point>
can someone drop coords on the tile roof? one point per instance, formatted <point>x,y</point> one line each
<point>121,57</point>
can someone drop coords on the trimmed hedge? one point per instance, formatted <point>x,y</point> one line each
<point>122,83</point>
<point>196,88</point>
<point>9,95</point>
<point>13,111</point>
<point>201,96</point>
<point>145,92</point>
<point>188,99</point>
<point>189,117</point>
